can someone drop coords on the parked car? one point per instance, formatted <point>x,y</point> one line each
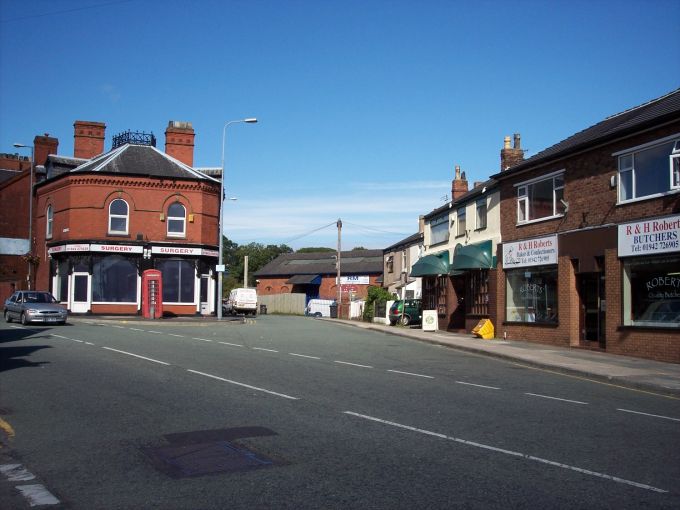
<point>28,306</point>
<point>319,307</point>
<point>412,313</point>
<point>241,300</point>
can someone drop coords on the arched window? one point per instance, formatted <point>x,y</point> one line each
<point>48,218</point>
<point>176,220</point>
<point>118,217</point>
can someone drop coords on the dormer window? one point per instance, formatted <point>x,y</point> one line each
<point>118,217</point>
<point>176,220</point>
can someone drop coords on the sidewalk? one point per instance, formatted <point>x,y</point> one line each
<point>636,373</point>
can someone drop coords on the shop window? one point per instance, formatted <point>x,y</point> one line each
<point>179,280</point>
<point>651,292</point>
<point>118,217</point>
<point>62,281</point>
<point>531,295</point>
<point>176,220</point>
<point>114,279</point>
<point>48,222</point>
<point>460,221</point>
<point>478,292</point>
<point>439,230</point>
<point>649,170</point>
<point>481,214</point>
<point>541,198</point>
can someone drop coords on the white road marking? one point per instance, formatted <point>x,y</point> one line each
<point>202,339</point>
<point>243,385</point>
<point>352,364</point>
<point>37,495</point>
<point>178,336</point>
<point>16,473</point>
<point>510,452</point>
<point>556,398</point>
<point>263,349</point>
<point>79,341</point>
<point>136,329</point>
<point>89,343</point>
<point>225,343</point>
<point>119,327</point>
<point>16,327</point>
<point>136,356</point>
<point>59,336</point>
<point>303,356</point>
<point>411,373</point>
<point>647,414</point>
<point>477,385</point>
<point>155,332</point>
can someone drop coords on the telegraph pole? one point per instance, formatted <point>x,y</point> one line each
<point>339,225</point>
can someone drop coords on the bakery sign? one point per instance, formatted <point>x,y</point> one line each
<point>532,252</point>
<point>648,237</point>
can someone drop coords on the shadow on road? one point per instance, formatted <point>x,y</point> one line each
<point>13,357</point>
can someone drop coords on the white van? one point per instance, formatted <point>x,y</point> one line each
<point>241,301</point>
<point>319,307</point>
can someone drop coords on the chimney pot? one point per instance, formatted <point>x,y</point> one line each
<point>517,141</point>
<point>506,142</point>
<point>457,172</point>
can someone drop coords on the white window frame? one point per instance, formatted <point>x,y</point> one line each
<point>461,213</point>
<point>444,219</point>
<point>172,219</point>
<point>126,216</point>
<point>626,164</point>
<point>49,219</point>
<point>523,197</point>
<point>478,204</point>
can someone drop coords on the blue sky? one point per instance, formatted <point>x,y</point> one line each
<point>364,107</point>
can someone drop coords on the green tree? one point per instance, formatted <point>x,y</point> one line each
<point>258,254</point>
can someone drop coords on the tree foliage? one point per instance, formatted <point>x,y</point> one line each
<point>258,254</point>
<point>374,294</point>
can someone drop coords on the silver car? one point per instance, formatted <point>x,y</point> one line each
<point>34,306</point>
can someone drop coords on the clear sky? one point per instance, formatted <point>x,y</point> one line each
<point>364,107</point>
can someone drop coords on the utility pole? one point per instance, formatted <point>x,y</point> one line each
<point>245,271</point>
<point>339,224</point>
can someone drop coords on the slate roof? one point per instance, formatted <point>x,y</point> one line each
<point>323,263</point>
<point>57,165</point>
<point>409,241</point>
<point>6,174</point>
<point>652,113</point>
<point>474,193</point>
<point>141,160</point>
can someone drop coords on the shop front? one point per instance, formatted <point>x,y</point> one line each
<point>106,278</point>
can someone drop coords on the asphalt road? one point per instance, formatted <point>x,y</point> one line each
<point>292,412</point>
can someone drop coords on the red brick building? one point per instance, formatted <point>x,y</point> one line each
<point>102,218</point>
<point>591,238</point>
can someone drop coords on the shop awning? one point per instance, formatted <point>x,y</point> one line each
<point>432,265</point>
<point>472,256</point>
<point>305,279</point>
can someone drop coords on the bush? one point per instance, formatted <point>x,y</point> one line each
<point>374,294</point>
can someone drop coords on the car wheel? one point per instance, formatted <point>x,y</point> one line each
<point>24,321</point>
<point>7,317</point>
<point>405,320</point>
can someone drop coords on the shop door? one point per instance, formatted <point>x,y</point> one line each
<point>457,321</point>
<point>80,293</point>
<point>592,310</point>
<point>205,305</point>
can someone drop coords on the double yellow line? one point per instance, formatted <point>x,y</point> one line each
<point>7,428</point>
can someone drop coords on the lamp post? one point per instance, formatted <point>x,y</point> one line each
<point>220,263</point>
<point>30,211</point>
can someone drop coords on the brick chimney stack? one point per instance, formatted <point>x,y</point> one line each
<point>88,139</point>
<point>179,141</point>
<point>43,146</point>
<point>459,185</point>
<point>511,156</point>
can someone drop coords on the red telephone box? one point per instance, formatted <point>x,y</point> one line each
<point>152,294</point>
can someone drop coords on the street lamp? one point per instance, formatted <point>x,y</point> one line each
<point>220,263</point>
<point>30,211</point>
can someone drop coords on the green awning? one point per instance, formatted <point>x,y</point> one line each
<point>472,256</point>
<point>432,265</point>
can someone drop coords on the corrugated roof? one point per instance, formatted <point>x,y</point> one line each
<point>323,263</point>
<point>634,119</point>
<point>143,160</point>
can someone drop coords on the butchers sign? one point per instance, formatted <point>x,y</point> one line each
<point>649,237</point>
<point>533,252</point>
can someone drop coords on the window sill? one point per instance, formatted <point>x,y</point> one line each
<point>118,234</point>
<point>540,220</point>
<point>648,197</point>
<point>532,324</point>
<point>649,327</point>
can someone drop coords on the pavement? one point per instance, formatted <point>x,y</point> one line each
<point>636,373</point>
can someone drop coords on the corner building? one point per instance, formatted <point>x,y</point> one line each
<point>590,256</point>
<point>102,219</point>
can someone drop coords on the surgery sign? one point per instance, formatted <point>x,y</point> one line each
<point>649,237</point>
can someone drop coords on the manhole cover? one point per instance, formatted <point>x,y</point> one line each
<point>179,461</point>
<point>207,452</point>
